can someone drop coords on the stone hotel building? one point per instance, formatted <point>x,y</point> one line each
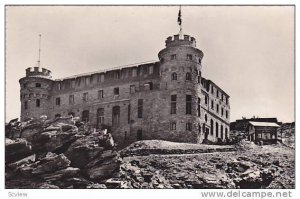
<point>168,99</point>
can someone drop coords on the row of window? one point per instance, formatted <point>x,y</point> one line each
<point>212,106</point>
<point>116,92</point>
<point>218,95</point>
<point>85,116</point>
<point>37,104</point>
<point>188,57</point>
<point>37,85</point>
<point>189,128</point>
<point>188,76</point>
<point>217,128</point>
<point>100,78</point>
<point>189,106</point>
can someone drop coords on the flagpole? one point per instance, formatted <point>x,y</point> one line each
<point>179,20</point>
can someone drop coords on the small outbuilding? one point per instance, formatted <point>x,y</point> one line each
<point>263,132</point>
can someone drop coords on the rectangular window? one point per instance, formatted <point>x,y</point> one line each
<point>134,72</point>
<point>132,89</point>
<point>87,80</point>
<point>206,99</point>
<point>100,78</point>
<point>71,99</point>
<point>212,104</point>
<point>73,84</point>
<point>78,81</point>
<point>212,90</point>
<point>57,101</point>
<point>140,108</point>
<point>173,126</point>
<point>199,107</point>
<point>222,111</point>
<point>189,57</point>
<point>26,105</point>
<point>85,97</point>
<point>188,104</point>
<point>117,75</point>
<point>116,91</point>
<point>217,93</point>
<point>226,113</point>
<point>59,86</point>
<point>173,104</point>
<point>100,94</point>
<point>222,98</point>
<point>188,126</point>
<point>150,70</point>
<point>217,108</point>
<point>38,85</point>
<point>38,103</point>
<point>173,56</point>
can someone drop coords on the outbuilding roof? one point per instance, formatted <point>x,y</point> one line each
<point>269,124</point>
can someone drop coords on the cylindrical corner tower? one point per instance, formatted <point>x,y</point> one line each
<point>181,79</point>
<point>35,93</point>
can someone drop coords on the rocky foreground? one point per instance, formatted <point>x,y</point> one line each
<point>249,166</point>
<point>62,154</point>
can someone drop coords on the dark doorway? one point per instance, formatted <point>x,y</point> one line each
<point>85,116</point>
<point>100,117</point>
<point>116,116</point>
<point>139,135</point>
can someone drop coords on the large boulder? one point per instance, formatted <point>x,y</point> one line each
<point>51,163</point>
<point>61,174</point>
<point>55,138</point>
<point>94,147</point>
<point>104,170</point>
<point>16,150</point>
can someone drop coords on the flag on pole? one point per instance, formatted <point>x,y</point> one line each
<point>179,17</point>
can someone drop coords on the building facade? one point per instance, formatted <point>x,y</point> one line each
<point>168,99</point>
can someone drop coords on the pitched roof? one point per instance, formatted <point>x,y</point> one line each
<point>268,124</point>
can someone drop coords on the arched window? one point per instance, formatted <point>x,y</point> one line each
<point>211,127</point>
<point>173,126</point>
<point>100,117</point>
<point>188,76</point>
<point>116,116</point>
<point>222,133</point>
<point>217,130</point>
<point>174,76</point>
<point>205,132</point>
<point>85,116</point>
<point>226,133</point>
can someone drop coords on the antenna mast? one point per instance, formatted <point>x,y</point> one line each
<point>39,60</point>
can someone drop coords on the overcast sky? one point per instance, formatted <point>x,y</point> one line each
<point>248,51</point>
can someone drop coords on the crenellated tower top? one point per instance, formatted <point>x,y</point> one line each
<point>38,72</point>
<point>176,40</point>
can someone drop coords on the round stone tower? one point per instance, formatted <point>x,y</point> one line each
<point>35,93</point>
<point>180,69</point>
